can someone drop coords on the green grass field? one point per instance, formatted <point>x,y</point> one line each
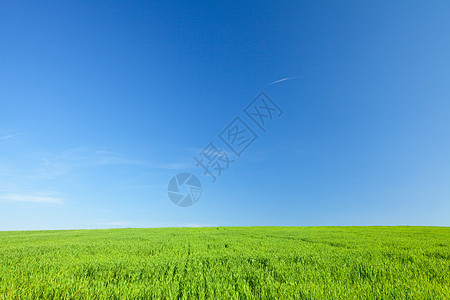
<point>227,263</point>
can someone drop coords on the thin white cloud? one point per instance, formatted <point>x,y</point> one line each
<point>117,224</point>
<point>199,152</point>
<point>283,79</point>
<point>84,158</point>
<point>8,136</point>
<point>70,165</point>
<point>197,225</point>
<point>102,152</point>
<point>32,199</point>
<point>138,187</point>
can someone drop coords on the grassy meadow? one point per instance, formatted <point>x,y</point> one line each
<point>227,263</point>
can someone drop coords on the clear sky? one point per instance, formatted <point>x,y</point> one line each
<point>103,102</point>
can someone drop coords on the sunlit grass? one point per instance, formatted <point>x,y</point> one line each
<point>227,263</point>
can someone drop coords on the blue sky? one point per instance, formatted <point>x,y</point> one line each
<point>103,103</point>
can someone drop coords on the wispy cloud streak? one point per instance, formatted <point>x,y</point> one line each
<point>32,199</point>
<point>284,79</point>
<point>8,136</point>
<point>84,158</point>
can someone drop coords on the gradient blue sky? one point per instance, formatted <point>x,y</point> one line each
<point>103,102</point>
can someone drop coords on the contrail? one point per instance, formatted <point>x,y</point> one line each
<point>284,79</point>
